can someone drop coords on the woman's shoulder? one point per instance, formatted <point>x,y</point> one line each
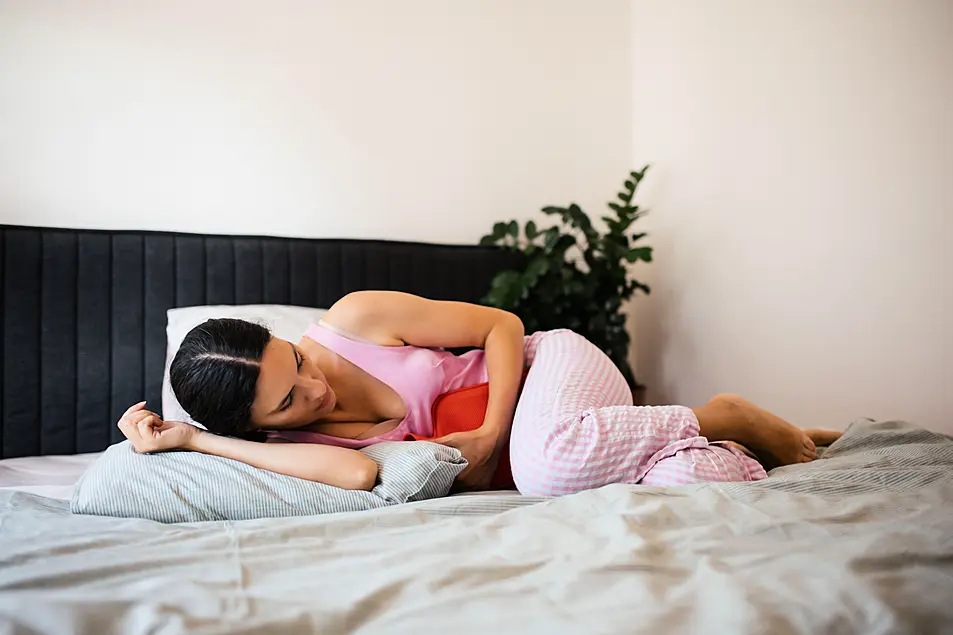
<point>360,315</point>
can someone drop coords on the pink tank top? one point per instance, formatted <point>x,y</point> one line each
<point>418,375</point>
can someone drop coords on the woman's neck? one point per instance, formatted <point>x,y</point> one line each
<point>344,380</point>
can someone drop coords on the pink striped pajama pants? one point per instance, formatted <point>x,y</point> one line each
<point>575,428</point>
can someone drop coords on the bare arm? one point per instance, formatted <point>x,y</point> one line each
<point>390,317</point>
<point>338,467</point>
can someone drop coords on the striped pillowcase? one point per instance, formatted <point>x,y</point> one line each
<point>173,487</point>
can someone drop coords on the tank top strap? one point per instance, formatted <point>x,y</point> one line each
<point>321,324</point>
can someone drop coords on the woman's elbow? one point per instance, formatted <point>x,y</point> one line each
<point>365,476</point>
<point>515,323</point>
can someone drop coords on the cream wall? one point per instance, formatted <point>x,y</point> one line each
<point>419,119</point>
<point>802,154</point>
<point>802,200</point>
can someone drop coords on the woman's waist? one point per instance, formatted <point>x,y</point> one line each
<point>456,408</point>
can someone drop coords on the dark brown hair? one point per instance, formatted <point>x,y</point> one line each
<point>214,374</point>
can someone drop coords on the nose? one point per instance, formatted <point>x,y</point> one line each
<point>315,389</point>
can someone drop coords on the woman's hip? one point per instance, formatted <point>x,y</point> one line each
<point>566,374</point>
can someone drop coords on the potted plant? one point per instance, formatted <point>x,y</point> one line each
<point>575,276</point>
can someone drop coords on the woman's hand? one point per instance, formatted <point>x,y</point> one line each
<point>148,433</point>
<point>481,449</point>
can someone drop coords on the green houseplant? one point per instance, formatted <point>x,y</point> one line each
<point>575,276</point>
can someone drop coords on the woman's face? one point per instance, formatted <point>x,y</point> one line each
<point>292,391</point>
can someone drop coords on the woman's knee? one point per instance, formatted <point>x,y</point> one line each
<point>570,336</point>
<point>581,364</point>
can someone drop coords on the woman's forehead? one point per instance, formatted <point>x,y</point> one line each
<point>277,371</point>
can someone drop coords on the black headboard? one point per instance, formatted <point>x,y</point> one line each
<point>84,312</point>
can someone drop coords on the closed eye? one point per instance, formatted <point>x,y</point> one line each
<point>288,401</point>
<point>299,359</point>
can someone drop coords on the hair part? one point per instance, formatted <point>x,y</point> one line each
<point>214,374</point>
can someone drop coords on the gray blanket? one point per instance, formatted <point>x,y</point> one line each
<point>860,541</point>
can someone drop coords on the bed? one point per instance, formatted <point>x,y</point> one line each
<point>860,541</point>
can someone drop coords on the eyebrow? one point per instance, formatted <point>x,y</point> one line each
<point>287,398</point>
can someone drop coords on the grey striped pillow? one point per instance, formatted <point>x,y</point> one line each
<point>173,487</point>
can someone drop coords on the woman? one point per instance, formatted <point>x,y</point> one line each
<point>371,370</point>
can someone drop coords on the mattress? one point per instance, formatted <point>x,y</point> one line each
<point>51,476</point>
<point>860,541</point>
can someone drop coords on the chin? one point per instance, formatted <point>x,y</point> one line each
<point>329,408</point>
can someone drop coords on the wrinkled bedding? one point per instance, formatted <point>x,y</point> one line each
<point>860,541</point>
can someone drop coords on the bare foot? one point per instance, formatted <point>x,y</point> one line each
<point>823,437</point>
<point>774,440</point>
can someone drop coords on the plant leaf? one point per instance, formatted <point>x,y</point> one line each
<point>488,240</point>
<point>499,230</point>
<point>531,230</point>
<point>641,287</point>
<point>579,217</point>
<point>550,210</point>
<point>505,290</point>
<point>536,268</point>
<point>639,253</point>
<point>513,229</point>
<point>564,242</point>
<point>638,176</point>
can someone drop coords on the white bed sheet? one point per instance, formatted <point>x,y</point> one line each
<point>857,542</point>
<point>53,476</point>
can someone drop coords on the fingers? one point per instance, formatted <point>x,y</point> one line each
<point>132,420</point>
<point>145,426</point>
<point>136,424</point>
<point>133,408</point>
<point>133,413</point>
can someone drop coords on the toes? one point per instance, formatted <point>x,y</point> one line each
<point>823,437</point>
<point>809,448</point>
<point>810,453</point>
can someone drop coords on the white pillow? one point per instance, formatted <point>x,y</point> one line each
<point>286,322</point>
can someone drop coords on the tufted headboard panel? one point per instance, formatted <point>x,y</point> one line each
<point>84,311</point>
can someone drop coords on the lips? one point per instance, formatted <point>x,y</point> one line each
<point>326,400</point>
